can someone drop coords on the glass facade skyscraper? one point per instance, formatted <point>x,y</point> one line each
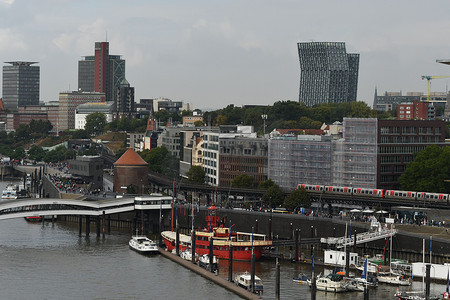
<point>20,84</point>
<point>328,73</point>
<point>101,72</point>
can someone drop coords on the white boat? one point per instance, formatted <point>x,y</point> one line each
<point>187,255</point>
<point>244,280</point>
<point>301,279</point>
<point>394,279</point>
<point>10,193</point>
<point>143,245</point>
<point>331,283</point>
<point>203,262</point>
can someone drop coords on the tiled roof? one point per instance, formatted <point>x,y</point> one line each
<point>130,158</point>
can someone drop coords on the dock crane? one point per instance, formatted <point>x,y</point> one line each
<point>428,78</point>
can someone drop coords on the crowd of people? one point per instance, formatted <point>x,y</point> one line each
<point>69,185</point>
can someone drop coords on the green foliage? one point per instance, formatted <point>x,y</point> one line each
<point>95,123</point>
<point>273,197</point>
<point>36,153</point>
<point>125,124</point>
<point>243,181</point>
<point>161,161</point>
<point>40,128</point>
<point>429,171</point>
<point>80,134</point>
<point>19,153</point>
<point>131,189</point>
<point>266,184</point>
<point>196,174</point>
<point>198,123</point>
<point>61,153</point>
<point>296,199</point>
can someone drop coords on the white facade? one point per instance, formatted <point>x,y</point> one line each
<point>337,258</point>
<point>436,271</point>
<point>80,119</point>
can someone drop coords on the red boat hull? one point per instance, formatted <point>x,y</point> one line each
<point>221,252</point>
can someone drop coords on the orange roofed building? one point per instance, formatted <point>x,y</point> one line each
<point>130,169</point>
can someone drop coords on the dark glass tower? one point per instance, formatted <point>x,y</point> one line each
<point>101,72</point>
<point>20,84</point>
<point>328,73</point>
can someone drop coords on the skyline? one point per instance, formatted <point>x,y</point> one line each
<point>238,52</point>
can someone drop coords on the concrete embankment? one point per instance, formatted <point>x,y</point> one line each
<point>211,276</point>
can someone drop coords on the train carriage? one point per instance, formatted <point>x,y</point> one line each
<point>338,189</point>
<point>400,194</point>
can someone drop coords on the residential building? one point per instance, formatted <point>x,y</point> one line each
<point>418,110</point>
<point>192,154</point>
<point>388,101</point>
<point>299,159</point>
<point>83,110</point>
<point>190,120</point>
<point>135,141</point>
<point>20,84</point>
<point>24,115</point>
<point>167,104</point>
<point>398,141</point>
<point>101,72</point>
<point>328,73</point>
<point>69,101</point>
<point>242,155</point>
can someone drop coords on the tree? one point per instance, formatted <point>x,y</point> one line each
<point>266,184</point>
<point>296,199</point>
<point>429,171</point>
<point>196,174</point>
<point>95,123</point>
<point>273,197</point>
<point>36,153</point>
<point>198,123</point>
<point>243,181</point>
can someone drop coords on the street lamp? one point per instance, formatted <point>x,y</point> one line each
<point>264,117</point>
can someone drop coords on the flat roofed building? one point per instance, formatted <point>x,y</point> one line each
<point>83,110</point>
<point>20,84</point>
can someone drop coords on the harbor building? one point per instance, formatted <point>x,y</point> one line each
<point>101,72</point>
<point>20,84</point>
<point>328,73</point>
<point>90,168</point>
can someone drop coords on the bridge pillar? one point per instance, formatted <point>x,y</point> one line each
<point>103,223</point>
<point>80,225</point>
<point>88,225</point>
<point>108,227</point>
<point>97,223</point>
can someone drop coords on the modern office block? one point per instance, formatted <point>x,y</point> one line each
<point>328,73</point>
<point>20,84</point>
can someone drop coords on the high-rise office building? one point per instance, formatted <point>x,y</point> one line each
<point>328,73</point>
<point>125,100</point>
<point>20,84</point>
<point>101,72</point>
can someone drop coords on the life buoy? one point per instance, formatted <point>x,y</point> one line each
<point>446,295</point>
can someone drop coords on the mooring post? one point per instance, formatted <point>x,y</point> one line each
<point>88,225</point>
<point>427,281</point>
<point>193,246</point>
<point>256,226</point>
<point>313,286</point>
<point>270,227</point>
<point>252,276</point>
<point>277,281</point>
<point>177,241</point>
<point>230,263</point>
<point>160,231</point>
<point>109,224</point>
<point>80,225</point>
<point>292,231</point>
<point>347,261</point>
<point>211,253</point>
<point>354,243</point>
<point>366,293</point>
<point>296,245</point>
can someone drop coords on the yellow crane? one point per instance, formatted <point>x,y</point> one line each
<point>428,78</point>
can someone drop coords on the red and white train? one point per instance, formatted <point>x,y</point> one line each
<point>380,193</point>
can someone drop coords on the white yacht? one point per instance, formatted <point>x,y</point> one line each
<point>244,280</point>
<point>331,283</point>
<point>203,262</point>
<point>10,193</point>
<point>187,255</point>
<point>143,245</point>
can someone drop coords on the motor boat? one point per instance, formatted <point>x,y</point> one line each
<point>203,262</point>
<point>301,279</point>
<point>394,279</point>
<point>187,255</point>
<point>143,245</point>
<point>244,280</point>
<point>10,193</point>
<point>331,283</point>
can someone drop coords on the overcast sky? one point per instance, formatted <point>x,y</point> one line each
<point>214,53</point>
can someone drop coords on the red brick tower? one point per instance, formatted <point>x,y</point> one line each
<point>130,169</point>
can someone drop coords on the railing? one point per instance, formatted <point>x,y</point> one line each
<point>360,238</point>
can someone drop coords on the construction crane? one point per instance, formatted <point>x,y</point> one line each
<point>428,78</point>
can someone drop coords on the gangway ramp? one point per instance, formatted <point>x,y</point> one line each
<point>361,238</point>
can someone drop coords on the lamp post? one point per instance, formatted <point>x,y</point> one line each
<point>264,117</point>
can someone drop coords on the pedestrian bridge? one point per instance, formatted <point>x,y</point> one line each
<point>30,207</point>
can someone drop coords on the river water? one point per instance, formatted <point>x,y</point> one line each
<point>50,261</point>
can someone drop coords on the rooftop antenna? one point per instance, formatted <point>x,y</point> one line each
<point>106,35</point>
